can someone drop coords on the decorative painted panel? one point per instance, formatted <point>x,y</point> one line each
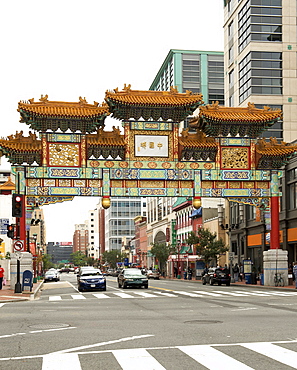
<point>64,155</point>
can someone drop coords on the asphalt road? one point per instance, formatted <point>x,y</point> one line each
<point>171,325</point>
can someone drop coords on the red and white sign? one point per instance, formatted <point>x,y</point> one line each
<point>18,246</point>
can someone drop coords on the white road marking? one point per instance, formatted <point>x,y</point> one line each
<point>66,361</point>
<point>208,293</point>
<point>2,304</point>
<point>212,358</point>
<point>35,331</point>
<point>78,296</point>
<point>146,295</point>
<point>245,309</point>
<point>134,359</point>
<point>283,355</point>
<point>55,298</point>
<point>102,295</point>
<point>166,294</point>
<point>187,293</point>
<point>124,295</point>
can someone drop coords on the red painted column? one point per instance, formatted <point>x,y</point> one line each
<point>274,232</point>
<point>274,204</point>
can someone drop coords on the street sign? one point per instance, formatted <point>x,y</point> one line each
<point>4,222</point>
<point>18,245</point>
<point>231,255</point>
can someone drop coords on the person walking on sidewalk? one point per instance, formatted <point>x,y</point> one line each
<point>1,276</point>
<point>295,273</point>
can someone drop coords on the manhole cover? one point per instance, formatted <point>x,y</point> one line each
<point>48,326</point>
<point>203,322</point>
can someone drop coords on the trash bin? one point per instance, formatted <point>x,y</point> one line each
<point>247,278</point>
<point>253,278</point>
<point>185,275</point>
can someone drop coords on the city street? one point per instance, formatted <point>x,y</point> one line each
<point>171,325</point>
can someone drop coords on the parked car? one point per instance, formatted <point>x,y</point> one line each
<point>116,272</point>
<point>51,275</point>
<point>153,274</point>
<point>91,279</point>
<point>217,275</point>
<point>132,277</point>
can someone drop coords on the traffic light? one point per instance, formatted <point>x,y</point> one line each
<point>17,205</point>
<point>10,231</point>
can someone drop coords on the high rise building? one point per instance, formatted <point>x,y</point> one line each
<point>195,70</point>
<point>260,59</point>
<point>119,220</point>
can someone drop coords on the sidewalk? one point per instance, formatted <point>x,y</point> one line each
<point>7,293</point>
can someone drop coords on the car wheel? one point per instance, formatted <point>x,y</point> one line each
<point>219,283</point>
<point>203,281</point>
<point>146,286</point>
<point>124,286</point>
<point>104,289</point>
<point>211,282</point>
<point>79,288</point>
<point>228,284</point>
<point>119,284</point>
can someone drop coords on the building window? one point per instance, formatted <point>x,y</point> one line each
<point>231,78</point>
<point>260,73</point>
<point>215,78</point>
<point>191,72</point>
<point>277,129</point>
<point>259,20</point>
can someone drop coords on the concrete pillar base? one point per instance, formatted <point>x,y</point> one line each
<point>275,260</point>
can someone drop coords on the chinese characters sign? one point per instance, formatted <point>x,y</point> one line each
<point>151,146</point>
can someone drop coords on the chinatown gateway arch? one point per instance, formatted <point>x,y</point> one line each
<point>68,153</point>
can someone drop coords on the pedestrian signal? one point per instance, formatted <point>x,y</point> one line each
<point>17,205</point>
<point>10,231</point>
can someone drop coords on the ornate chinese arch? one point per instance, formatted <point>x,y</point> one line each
<point>74,156</point>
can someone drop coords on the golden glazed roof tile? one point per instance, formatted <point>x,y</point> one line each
<point>274,149</point>
<point>20,143</point>
<point>198,139</point>
<point>8,185</point>
<point>67,109</point>
<point>249,114</point>
<point>152,98</point>
<point>106,138</point>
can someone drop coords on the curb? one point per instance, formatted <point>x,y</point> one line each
<point>23,299</point>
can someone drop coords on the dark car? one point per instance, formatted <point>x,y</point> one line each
<point>218,275</point>
<point>132,277</point>
<point>91,279</point>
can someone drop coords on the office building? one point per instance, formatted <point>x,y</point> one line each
<point>260,59</point>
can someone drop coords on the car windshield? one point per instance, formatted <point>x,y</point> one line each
<point>132,272</point>
<point>91,273</point>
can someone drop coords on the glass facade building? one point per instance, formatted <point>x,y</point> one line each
<point>260,59</point>
<point>194,70</point>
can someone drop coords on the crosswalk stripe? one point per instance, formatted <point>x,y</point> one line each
<point>55,298</point>
<point>229,293</point>
<point>146,295</point>
<point>283,294</point>
<point>124,295</point>
<point>188,294</point>
<point>78,296</point>
<point>2,304</point>
<point>208,293</point>
<point>212,358</point>
<point>280,354</point>
<point>102,295</point>
<point>65,361</point>
<point>167,294</point>
<point>135,359</point>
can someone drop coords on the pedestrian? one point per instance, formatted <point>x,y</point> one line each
<point>236,272</point>
<point>1,276</point>
<point>175,271</point>
<point>190,273</point>
<point>295,274</point>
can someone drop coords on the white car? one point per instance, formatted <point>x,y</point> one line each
<point>51,275</point>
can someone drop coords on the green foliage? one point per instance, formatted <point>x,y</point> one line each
<point>78,258</point>
<point>47,263</point>
<point>206,244</point>
<point>161,252</point>
<point>7,256</point>
<point>112,257</point>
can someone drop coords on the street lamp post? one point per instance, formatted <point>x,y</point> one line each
<point>178,259</point>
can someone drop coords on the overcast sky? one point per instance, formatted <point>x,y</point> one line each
<point>70,48</point>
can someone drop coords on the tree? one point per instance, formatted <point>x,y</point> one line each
<point>78,258</point>
<point>207,245</point>
<point>47,263</point>
<point>161,252</point>
<point>112,257</point>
